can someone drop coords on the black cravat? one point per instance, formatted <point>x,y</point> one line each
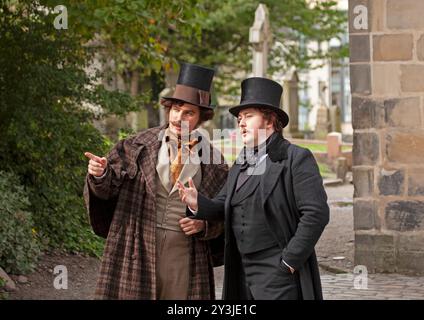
<point>250,156</point>
<point>250,159</point>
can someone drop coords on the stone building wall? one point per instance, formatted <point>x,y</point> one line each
<point>387,85</point>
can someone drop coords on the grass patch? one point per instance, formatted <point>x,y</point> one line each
<point>325,171</point>
<point>321,147</point>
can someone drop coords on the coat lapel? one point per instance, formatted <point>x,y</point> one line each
<point>270,177</point>
<point>274,166</point>
<point>162,167</point>
<point>232,181</point>
<point>151,141</point>
<point>246,189</point>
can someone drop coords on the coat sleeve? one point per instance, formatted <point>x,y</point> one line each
<point>311,202</point>
<point>216,181</point>
<point>108,185</point>
<point>211,209</point>
<point>100,194</point>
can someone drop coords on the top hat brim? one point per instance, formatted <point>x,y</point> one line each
<point>186,101</point>
<point>284,117</point>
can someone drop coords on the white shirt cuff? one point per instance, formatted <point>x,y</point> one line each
<point>287,264</point>
<point>101,177</point>
<point>192,211</point>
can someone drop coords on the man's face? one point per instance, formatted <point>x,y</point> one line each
<point>183,114</point>
<point>253,127</point>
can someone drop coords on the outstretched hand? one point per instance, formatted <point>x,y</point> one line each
<point>188,195</point>
<point>96,165</point>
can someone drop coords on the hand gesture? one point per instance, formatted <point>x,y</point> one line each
<point>191,226</point>
<point>188,195</point>
<point>96,165</point>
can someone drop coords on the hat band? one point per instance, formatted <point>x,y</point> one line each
<point>191,95</point>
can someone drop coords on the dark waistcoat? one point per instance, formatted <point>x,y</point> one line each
<point>248,219</point>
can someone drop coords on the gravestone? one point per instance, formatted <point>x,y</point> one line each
<point>260,38</point>
<point>323,121</point>
<point>335,119</point>
<point>291,105</point>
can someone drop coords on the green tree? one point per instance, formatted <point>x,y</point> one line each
<point>145,37</point>
<point>47,104</point>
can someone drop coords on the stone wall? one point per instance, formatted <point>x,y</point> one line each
<point>387,85</point>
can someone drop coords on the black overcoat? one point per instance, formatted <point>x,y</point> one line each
<point>296,210</point>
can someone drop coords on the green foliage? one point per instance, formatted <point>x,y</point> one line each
<point>47,104</point>
<point>151,36</point>
<point>19,244</point>
<point>135,34</point>
<point>3,295</point>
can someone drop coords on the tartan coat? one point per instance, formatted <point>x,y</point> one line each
<point>122,208</point>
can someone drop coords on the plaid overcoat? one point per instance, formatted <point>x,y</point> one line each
<point>122,208</point>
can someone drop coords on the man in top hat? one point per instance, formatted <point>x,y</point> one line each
<point>153,251</point>
<point>274,205</point>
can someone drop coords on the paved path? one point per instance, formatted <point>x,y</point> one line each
<point>378,287</point>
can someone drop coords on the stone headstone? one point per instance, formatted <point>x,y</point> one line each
<point>323,117</point>
<point>260,37</point>
<point>335,119</point>
<point>334,145</point>
<point>322,123</point>
<point>341,168</point>
<point>291,105</point>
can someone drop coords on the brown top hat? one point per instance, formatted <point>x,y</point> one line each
<point>193,86</point>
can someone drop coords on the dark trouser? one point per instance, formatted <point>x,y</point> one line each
<point>265,279</point>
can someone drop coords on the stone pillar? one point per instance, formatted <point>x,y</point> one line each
<point>387,85</point>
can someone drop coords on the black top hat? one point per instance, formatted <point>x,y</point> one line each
<point>261,93</point>
<point>193,86</point>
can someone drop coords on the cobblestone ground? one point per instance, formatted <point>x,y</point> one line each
<point>376,287</point>
<point>379,287</point>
